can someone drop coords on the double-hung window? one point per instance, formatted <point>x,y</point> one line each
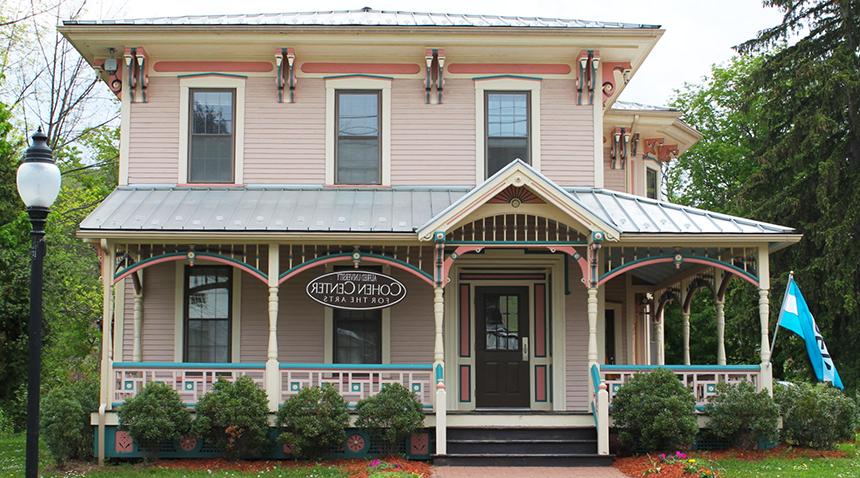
<point>208,305</point>
<point>358,146</point>
<point>357,333</point>
<point>651,183</point>
<point>507,129</point>
<point>211,135</point>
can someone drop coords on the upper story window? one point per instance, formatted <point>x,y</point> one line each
<point>358,149</point>
<point>211,138</point>
<point>208,305</point>
<point>507,128</point>
<point>651,184</point>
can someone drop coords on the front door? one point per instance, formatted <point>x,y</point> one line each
<point>502,347</point>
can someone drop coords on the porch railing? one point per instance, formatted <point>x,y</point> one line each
<point>190,380</point>
<point>701,379</point>
<point>357,381</point>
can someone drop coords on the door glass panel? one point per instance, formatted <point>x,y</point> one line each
<point>502,322</point>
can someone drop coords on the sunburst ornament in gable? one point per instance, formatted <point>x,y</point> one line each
<point>516,196</point>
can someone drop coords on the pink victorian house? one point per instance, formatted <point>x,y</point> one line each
<point>455,203</point>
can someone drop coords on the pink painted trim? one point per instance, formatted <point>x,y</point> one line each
<point>197,258</point>
<point>465,383</point>
<point>449,262</point>
<point>669,259</point>
<point>635,266</point>
<point>375,260</point>
<point>723,267</point>
<point>540,378</point>
<point>370,68</point>
<point>225,66</point>
<point>510,68</point>
<point>582,262</point>
<point>465,336</point>
<point>540,320</point>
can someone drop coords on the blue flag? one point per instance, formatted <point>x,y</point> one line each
<point>796,317</point>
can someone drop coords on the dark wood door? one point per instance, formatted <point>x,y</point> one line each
<point>501,343</point>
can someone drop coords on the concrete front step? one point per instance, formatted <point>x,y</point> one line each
<point>478,459</point>
<point>522,446</point>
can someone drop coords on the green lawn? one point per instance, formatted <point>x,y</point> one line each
<point>796,468</point>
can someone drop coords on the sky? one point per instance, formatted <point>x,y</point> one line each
<point>699,33</point>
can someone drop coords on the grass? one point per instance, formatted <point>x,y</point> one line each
<point>138,471</point>
<point>847,467</point>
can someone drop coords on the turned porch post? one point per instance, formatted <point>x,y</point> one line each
<point>661,336</point>
<point>685,322</point>
<point>719,303</point>
<point>439,371</point>
<point>764,317</point>
<point>106,376</point>
<point>136,352</point>
<point>273,373</point>
<point>592,326</point>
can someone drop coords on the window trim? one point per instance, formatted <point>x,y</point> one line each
<point>657,181</point>
<point>334,337</point>
<point>191,133</point>
<point>487,94</point>
<point>510,83</point>
<point>214,82</point>
<point>358,82</point>
<point>230,291</point>
<point>337,136</point>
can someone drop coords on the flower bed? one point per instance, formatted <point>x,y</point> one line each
<point>355,468</point>
<point>706,464</point>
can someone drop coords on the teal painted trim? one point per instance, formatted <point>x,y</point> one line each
<point>194,365</point>
<point>360,75</point>
<point>356,366</point>
<point>733,267</point>
<point>682,368</point>
<point>518,77</point>
<point>595,376</point>
<point>232,260</point>
<point>440,373</point>
<point>516,243</point>
<point>212,73</point>
<point>349,255</point>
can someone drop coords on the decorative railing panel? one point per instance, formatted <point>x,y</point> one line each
<point>356,382</point>
<point>190,380</point>
<point>701,379</point>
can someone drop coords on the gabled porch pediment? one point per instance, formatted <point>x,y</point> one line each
<point>518,189</point>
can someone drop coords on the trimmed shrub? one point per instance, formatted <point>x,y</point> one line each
<point>815,416</point>
<point>313,421</point>
<point>392,414</point>
<point>235,416</point>
<point>655,411</point>
<point>5,423</point>
<point>65,420</point>
<point>155,415</point>
<point>742,416</point>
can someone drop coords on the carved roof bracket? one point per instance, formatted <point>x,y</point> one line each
<point>285,64</point>
<point>434,59</point>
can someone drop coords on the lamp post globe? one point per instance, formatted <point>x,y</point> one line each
<point>38,183</point>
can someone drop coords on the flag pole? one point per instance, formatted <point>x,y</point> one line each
<point>781,308</point>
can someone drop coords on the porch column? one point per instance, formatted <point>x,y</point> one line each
<point>685,318</point>
<point>138,318</point>
<point>661,337</point>
<point>273,373</point>
<point>592,326</point>
<point>764,317</point>
<point>106,375</point>
<point>721,331</point>
<point>441,404</point>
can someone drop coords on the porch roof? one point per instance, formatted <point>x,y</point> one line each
<point>399,209</point>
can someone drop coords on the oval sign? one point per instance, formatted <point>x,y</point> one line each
<point>356,290</point>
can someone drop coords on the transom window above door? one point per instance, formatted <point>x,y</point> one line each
<point>211,138</point>
<point>358,151</point>
<point>507,128</point>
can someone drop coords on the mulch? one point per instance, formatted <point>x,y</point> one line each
<point>357,468</point>
<point>637,466</point>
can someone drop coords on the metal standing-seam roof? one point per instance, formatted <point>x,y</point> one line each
<point>397,209</point>
<point>369,17</point>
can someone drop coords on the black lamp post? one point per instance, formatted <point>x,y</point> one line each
<point>38,185</point>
